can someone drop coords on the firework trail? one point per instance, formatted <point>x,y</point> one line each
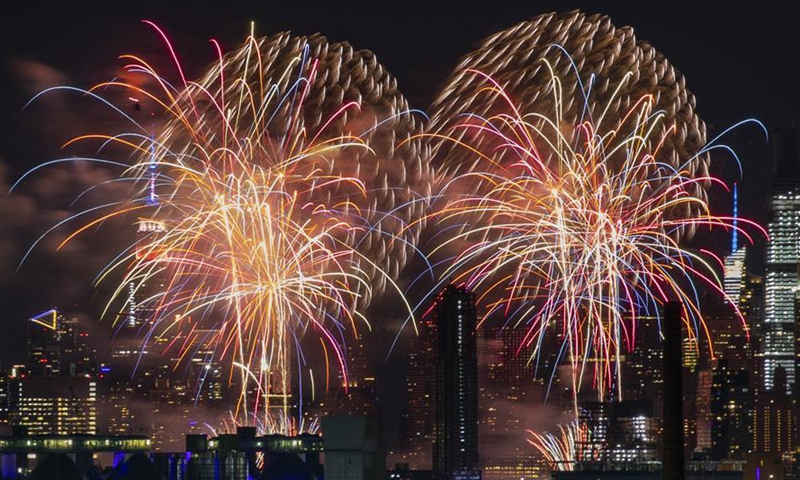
<point>286,198</point>
<point>575,223</point>
<point>561,451</point>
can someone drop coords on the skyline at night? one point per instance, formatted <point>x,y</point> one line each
<point>525,242</point>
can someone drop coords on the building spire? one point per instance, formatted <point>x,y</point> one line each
<point>152,198</point>
<point>735,236</point>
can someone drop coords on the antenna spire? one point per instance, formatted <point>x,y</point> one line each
<point>735,236</point>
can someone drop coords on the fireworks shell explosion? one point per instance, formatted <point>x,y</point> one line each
<point>564,159</point>
<point>286,179</point>
<point>572,169</point>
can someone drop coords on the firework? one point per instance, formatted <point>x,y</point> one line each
<point>576,223</point>
<point>561,451</point>
<point>285,200</point>
<point>601,58</point>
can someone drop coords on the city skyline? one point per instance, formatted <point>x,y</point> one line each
<point>245,289</point>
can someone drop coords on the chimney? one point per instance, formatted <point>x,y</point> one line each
<point>673,463</point>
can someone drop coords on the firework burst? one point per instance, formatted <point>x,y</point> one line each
<point>285,203</point>
<point>575,226</point>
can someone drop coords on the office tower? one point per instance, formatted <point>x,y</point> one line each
<point>777,333</point>
<point>623,434</point>
<point>47,405</point>
<point>730,339</point>
<point>641,375</point>
<point>703,410</point>
<point>455,448</point>
<point>731,412</point>
<point>421,408</point>
<point>359,395</point>
<point>734,274</point>
<point>773,419</point>
<point>5,391</point>
<point>505,400</point>
<point>44,343</point>
<point>59,345</point>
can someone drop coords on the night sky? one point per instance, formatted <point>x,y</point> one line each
<point>739,60</point>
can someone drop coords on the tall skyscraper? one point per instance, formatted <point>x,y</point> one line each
<point>703,411</point>
<point>57,393</point>
<point>44,343</point>
<point>734,275</point>
<point>359,395</point>
<point>421,409</point>
<point>731,412</point>
<point>455,448</point>
<point>58,345</point>
<point>773,419</point>
<point>783,256</point>
<point>506,397</point>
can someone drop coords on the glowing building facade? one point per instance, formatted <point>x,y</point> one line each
<point>455,447</point>
<point>734,275</point>
<point>777,331</point>
<point>54,405</point>
<point>417,435</point>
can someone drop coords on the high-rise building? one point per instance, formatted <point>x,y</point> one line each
<point>623,434</point>
<point>455,448</point>
<point>703,410</point>
<point>777,331</point>
<point>773,419</point>
<point>44,343</point>
<point>58,345</point>
<point>420,414</point>
<point>734,275</point>
<point>506,397</point>
<point>5,391</point>
<point>61,405</point>
<point>57,392</point>
<point>735,272</point>
<point>642,373</point>
<point>731,412</point>
<point>730,340</point>
<point>355,394</point>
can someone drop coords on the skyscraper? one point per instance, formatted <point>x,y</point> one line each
<point>783,256</point>
<point>455,448</point>
<point>506,396</point>
<point>58,392</point>
<point>420,415</point>
<point>44,343</point>
<point>731,412</point>
<point>734,263</point>
<point>773,419</point>
<point>57,345</point>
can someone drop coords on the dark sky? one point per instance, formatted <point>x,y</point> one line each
<point>740,59</point>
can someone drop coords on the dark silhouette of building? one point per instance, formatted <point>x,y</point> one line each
<point>619,435</point>
<point>455,448</point>
<point>673,462</point>
<point>731,412</point>
<point>420,415</point>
